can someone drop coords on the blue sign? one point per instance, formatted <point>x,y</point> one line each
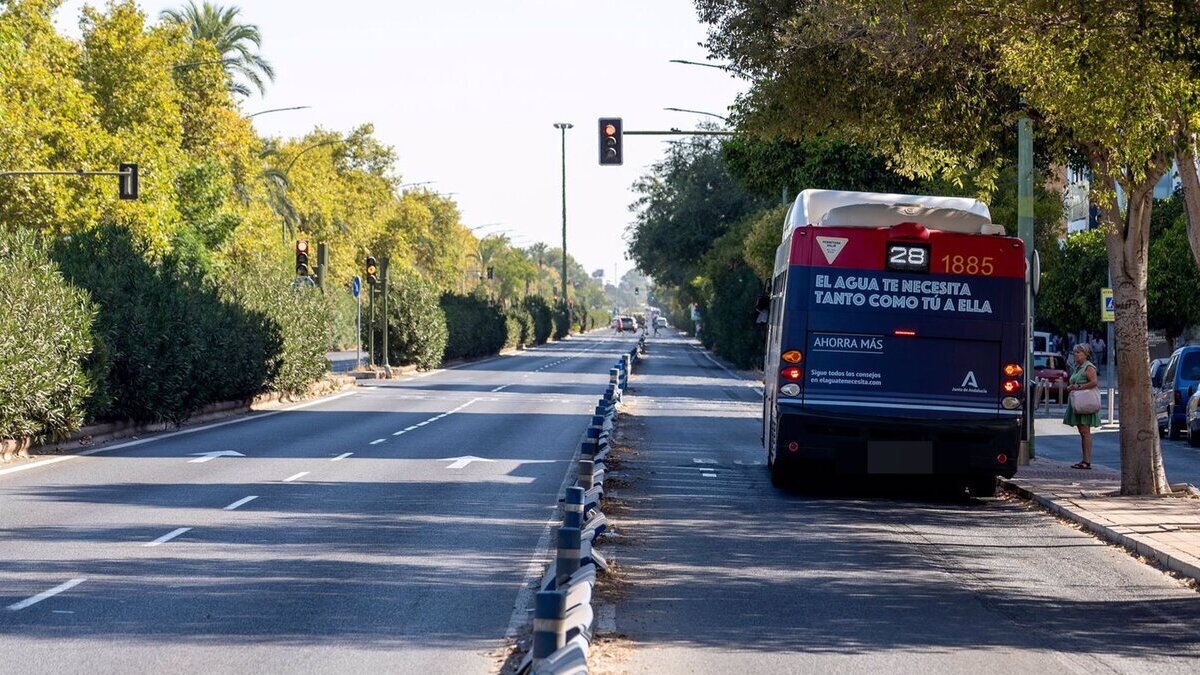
<point>356,286</point>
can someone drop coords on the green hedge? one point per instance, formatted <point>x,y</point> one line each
<point>543,318</point>
<point>417,325</point>
<point>562,323</point>
<point>166,342</point>
<point>45,333</point>
<point>520,327</point>
<point>476,327</point>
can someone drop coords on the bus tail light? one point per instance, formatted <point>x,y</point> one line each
<point>793,356</point>
<point>904,333</point>
<point>1013,370</point>
<point>1002,458</point>
<point>1010,403</point>
<point>1011,386</point>
<point>793,446</point>
<point>790,389</point>
<point>792,373</point>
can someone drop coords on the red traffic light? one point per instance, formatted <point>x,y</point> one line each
<point>610,141</point>
<point>302,246</point>
<point>610,130</point>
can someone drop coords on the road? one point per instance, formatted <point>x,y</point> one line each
<point>353,534</point>
<point>725,574</point>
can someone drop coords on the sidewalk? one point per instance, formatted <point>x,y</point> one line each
<point>1166,528</point>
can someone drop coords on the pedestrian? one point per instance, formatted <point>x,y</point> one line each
<point>1083,377</point>
<point>1103,351</point>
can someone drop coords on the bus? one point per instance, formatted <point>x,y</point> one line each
<point>896,342</point>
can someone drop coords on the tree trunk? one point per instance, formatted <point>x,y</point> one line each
<point>1190,182</point>
<point>1128,241</point>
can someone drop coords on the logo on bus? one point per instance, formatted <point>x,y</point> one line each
<point>969,385</point>
<point>831,247</point>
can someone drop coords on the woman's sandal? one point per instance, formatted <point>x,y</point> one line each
<point>1082,465</point>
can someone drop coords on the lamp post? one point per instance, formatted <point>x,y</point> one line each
<point>275,110</point>
<point>699,112</point>
<point>563,126</point>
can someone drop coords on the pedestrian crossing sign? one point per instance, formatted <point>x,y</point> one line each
<point>1107,310</point>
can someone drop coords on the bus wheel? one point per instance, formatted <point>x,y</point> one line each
<point>982,487</point>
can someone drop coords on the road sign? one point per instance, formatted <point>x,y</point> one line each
<point>1107,310</point>
<point>356,286</point>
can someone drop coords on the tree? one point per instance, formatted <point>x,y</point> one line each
<point>234,41</point>
<point>1070,297</point>
<point>1174,305</point>
<point>936,84</point>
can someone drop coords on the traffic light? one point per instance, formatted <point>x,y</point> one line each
<point>127,182</point>
<point>372,271</point>
<point>302,258</point>
<point>637,290</point>
<point>610,141</point>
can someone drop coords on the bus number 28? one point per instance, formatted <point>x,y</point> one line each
<point>968,264</point>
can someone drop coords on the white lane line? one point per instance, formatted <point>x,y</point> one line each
<point>298,476</point>
<point>400,433</point>
<point>29,602</point>
<point>173,434</point>
<point>421,424</point>
<point>410,428</point>
<point>240,502</point>
<point>168,536</point>
<point>501,387</point>
<point>709,475</point>
<point>342,456</point>
<point>377,441</point>
<point>698,460</point>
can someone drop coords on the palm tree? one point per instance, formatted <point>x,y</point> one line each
<point>219,26</point>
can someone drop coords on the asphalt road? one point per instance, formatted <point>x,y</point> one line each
<point>350,535</point>
<point>726,574</point>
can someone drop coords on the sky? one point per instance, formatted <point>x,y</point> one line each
<point>468,92</point>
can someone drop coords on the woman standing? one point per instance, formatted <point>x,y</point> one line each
<point>1083,377</point>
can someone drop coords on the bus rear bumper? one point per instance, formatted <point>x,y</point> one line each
<point>860,445</point>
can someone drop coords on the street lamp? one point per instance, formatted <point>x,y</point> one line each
<point>274,110</point>
<point>728,69</point>
<point>698,112</point>
<point>563,126</point>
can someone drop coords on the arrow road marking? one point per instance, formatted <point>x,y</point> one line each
<point>29,602</point>
<point>461,462</point>
<point>202,457</point>
<point>168,536</point>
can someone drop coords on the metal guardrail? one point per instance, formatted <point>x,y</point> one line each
<point>563,617</point>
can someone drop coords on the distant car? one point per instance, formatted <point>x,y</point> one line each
<point>661,322</point>
<point>1174,391</point>
<point>1050,366</point>
<point>625,324</point>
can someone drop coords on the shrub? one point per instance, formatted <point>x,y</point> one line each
<point>543,318</point>
<point>343,316</point>
<point>520,327</point>
<point>416,323</point>
<point>295,325</point>
<point>166,342</point>
<point>45,333</point>
<point>562,323</point>
<point>476,327</point>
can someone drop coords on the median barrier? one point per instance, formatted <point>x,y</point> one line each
<point>563,615</point>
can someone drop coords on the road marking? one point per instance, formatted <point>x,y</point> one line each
<point>421,424</point>
<point>289,479</point>
<point>697,460</point>
<point>240,502</point>
<point>168,536</point>
<point>342,456</point>
<point>377,441</point>
<point>29,602</point>
<point>173,434</point>
<point>500,388</point>
<point>202,457</point>
<point>410,428</point>
<point>461,462</point>
<point>709,475</point>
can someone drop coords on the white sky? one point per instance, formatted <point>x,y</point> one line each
<point>457,86</point>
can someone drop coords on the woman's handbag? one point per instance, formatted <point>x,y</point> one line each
<point>1085,401</point>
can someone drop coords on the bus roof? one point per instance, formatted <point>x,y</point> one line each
<point>841,208</point>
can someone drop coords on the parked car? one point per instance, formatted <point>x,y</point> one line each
<point>1157,368</point>
<point>1174,390</point>
<point>1192,423</point>
<point>1050,366</point>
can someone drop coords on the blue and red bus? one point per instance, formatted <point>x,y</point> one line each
<point>897,341</point>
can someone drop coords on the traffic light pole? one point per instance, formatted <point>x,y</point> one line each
<point>383,269</point>
<point>128,173</point>
<point>371,326</point>
<point>322,264</point>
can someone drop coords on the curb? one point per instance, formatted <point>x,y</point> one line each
<point>1164,555</point>
<point>98,434</point>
